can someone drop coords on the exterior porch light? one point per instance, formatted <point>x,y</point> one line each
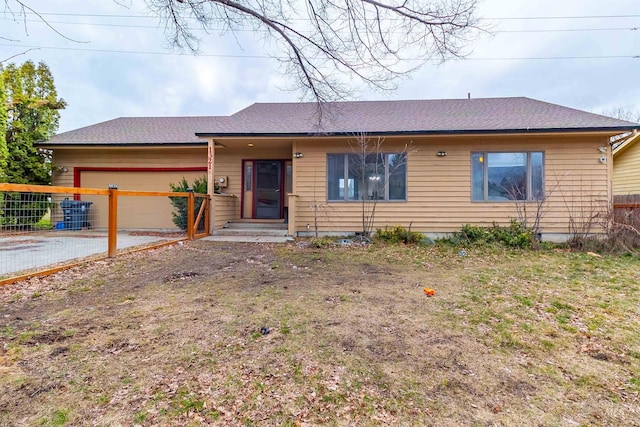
<point>297,155</point>
<point>250,144</point>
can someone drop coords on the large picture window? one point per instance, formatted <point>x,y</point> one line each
<point>507,176</point>
<point>376,176</point>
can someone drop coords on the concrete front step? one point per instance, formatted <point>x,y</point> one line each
<point>250,232</point>
<point>256,232</point>
<point>248,239</point>
<point>255,225</point>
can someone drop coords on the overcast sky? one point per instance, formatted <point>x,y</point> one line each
<point>126,67</point>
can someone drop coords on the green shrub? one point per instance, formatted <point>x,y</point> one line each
<point>322,242</point>
<point>20,210</point>
<point>181,204</point>
<point>474,233</point>
<point>399,234</point>
<point>514,235</point>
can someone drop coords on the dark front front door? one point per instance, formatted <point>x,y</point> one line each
<point>268,189</point>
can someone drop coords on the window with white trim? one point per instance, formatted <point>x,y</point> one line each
<point>507,176</point>
<point>377,176</point>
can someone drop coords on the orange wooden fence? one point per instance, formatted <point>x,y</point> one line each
<point>113,193</point>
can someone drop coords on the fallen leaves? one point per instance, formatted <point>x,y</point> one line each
<point>357,349</point>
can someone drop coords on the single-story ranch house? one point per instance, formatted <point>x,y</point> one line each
<point>434,164</point>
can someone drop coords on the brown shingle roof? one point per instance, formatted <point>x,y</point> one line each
<point>419,116</point>
<point>138,130</point>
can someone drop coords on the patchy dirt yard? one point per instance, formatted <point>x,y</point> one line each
<point>212,333</point>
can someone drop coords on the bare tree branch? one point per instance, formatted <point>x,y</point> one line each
<point>629,114</point>
<point>331,42</point>
<point>330,45</point>
<point>24,9</point>
<point>17,54</point>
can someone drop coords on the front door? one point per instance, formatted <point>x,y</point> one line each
<point>268,189</point>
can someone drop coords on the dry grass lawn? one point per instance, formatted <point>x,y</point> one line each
<point>172,337</point>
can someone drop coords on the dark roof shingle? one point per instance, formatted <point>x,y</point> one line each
<point>138,130</point>
<point>417,116</point>
<point>445,115</point>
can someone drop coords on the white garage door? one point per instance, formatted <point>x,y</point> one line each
<point>135,212</point>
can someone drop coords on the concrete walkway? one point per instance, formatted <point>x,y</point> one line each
<point>39,250</point>
<point>35,251</point>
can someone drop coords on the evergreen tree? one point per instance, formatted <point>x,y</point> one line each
<point>4,152</point>
<point>180,204</point>
<point>32,107</point>
<point>29,113</point>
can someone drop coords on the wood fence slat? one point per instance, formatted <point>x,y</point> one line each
<point>28,188</point>
<point>199,216</point>
<point>151,193</point>
<point>113,222</point>
<point>113,194</point>
<point>626,206</point>
<point>626,198</point>
<point>190,214</point>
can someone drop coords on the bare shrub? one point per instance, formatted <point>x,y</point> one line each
<point>624,232</point>
<point>370,162</point>
<point>319,207</point>
<point>589,215</point>
<point>530,213</point>
<point>618,226</point>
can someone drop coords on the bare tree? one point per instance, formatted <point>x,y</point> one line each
<point>374,169</point>
<point>324,44</point>
<point>375,41</point>
<point>623,113</point>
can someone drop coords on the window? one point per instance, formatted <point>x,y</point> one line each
<point>248,179</point>
<point>507,176</point>
<point>381,176</point>
<point>288,177</point>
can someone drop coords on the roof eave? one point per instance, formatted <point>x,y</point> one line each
<point>46,144</point>
<point>608,130</point>
<point>630,140</point>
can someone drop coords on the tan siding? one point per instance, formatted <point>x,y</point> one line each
<point>439,196</point>
<point>228,162</point>
<point>626,171</point>
<point>226,208</point>
<point>127,157</point>
<point>133,212</point>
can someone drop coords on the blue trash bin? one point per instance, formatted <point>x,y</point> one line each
<point>76,214</point>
